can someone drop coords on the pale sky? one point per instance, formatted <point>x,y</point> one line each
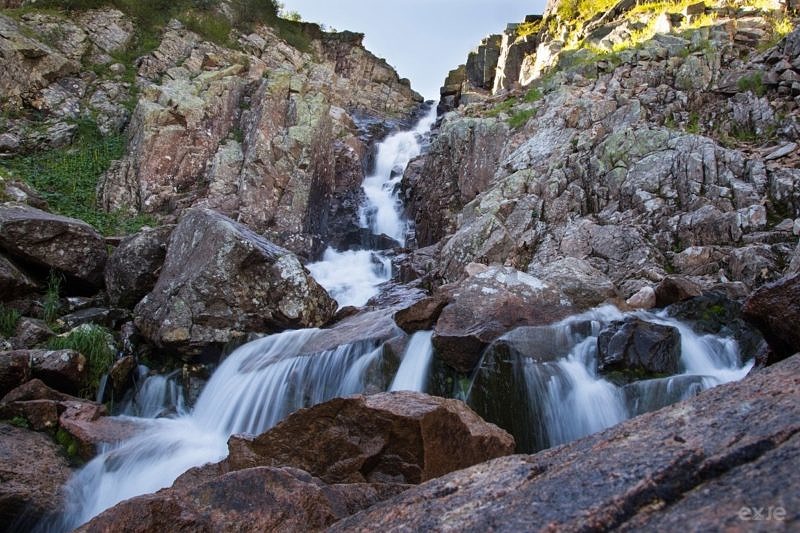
<point>422,39</point>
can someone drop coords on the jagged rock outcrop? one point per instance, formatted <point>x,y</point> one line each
<point>221,281</point>
<point>51,241</point>
<point>488,304</point>
<point>654,471</point>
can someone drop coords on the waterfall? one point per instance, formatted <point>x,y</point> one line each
<point>564,398</point>
<point>353,277</point>
<point>252,390</point>
<point>154,396</point>
<point>413,371</point>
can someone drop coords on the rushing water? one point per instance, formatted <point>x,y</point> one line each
<point>413,372</point>
<point>567,399</point>
<point>353,277</point>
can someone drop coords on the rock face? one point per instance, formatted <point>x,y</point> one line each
<point>651,472</point>
<point>637,346</point>
<point>488,304</point>
<point>133,268</point>
<point>52,241</point>
<point>220,281</point>
<point>775,310</point>
<point>619,170</point>
<point>33,470</point>
<point>397,437</point>
<point>255,499</point>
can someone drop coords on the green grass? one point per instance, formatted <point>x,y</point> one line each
<point>51,305</point>
<point>520,118</point>
<point>533,95</point>
<point>211,26</point>
<point>67,178</point>
<point>753,83</point>
<point>9,318</point>
<point>503,107</point>
<point>95,344</point>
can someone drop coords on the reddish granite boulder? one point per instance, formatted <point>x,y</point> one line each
<point>775,310</point>
<point>397,437</point>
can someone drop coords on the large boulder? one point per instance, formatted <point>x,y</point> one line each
<point>13,280</point>
<point>397,437</point>
<point>15,369</point>
<point>486,305</point>
<point>775,310</point>
<point>63,370</point>
<point>711,461</point>
<point>33,469</point>
<point>53,241</point>
<point>255,499</point>
<point>132,270</point>
<point>635,348</point>
<point>220,281</point>
<point>585,285</point>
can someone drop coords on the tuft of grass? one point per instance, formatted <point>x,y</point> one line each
<point>20,422</point>
<point>503,107</point>
<point>95,344</point>
<point>533,95</point>
<point>9,318</point>
<point>520,118</point>
<point>753,83</point>
<point>51,305</point>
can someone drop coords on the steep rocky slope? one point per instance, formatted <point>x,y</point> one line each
<point>626,157</point>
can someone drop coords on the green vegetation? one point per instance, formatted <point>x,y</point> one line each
<point>534,94</point>
<point>8,321</point>
<point>51,305</point>
<point>521,118</point>
<point>67,178</point>
<point>503,107</point>
<point>211,26</point>
<point>95,344</point>
<point>20,422</point>
<point>69,444</point>
<point>753,83</point>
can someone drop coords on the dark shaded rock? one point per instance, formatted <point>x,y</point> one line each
<point>102,316</point>
<point>120,376</point>
<point>63,370</point>
<point>673,289</point>
<point>219,281</point>
<point>775,310</point>
<point>30,332</point>
<point>133,268</point>
<point>705,458</point>
<point>255,499</point>
<point>15,369</point>
<point>635,347</point>
<point>421,315</point>
<point>33,470</point>
<point>13,281</point>
<point>719,312</point>
<point>52,241</point>
<point>488,304</point>
<point>397,437</point>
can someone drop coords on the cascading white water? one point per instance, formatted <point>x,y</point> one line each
<point>413,371</point>
<point>353,277</point>
<point>382,213</point>
<point>154,396</point>
<point>254,388</point>
<point>570,400</point>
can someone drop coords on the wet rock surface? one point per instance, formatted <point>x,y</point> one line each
<point>775,310</point>
<point>638,347</point>
<point>647,472</point>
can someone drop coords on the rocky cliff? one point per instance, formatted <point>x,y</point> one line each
<point>642,143</point>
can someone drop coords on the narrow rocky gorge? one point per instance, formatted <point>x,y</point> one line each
<point>586,255</point>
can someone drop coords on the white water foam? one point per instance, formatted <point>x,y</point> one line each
<point>413,372</point>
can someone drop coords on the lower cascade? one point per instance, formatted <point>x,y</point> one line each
<point>263,381</point>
